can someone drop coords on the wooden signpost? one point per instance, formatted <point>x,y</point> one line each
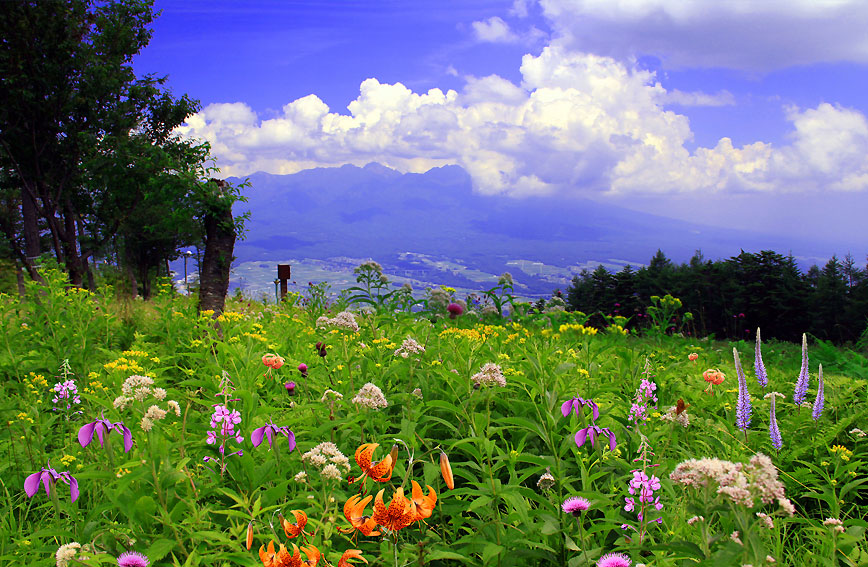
<point>283,274</point>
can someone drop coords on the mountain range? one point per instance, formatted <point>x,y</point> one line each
<point>431,228</point>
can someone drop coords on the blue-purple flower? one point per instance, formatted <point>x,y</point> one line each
<point>774,432</point>
<point>819,401</point>
<point>49,477</point>
<point>104,426</point>
<point>743,409</point>
<point>268,430</point>
<point>802,383</point>
<point>759,367</point>
<point>577,404</point>
<point>592,432</point>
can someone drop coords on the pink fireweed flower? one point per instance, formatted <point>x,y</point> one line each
<point>575,505</point>
<point>614,560</point>
<point>132,559</point>
<point>49,477</point>
<point>101,426</point>
<point>268,431</point>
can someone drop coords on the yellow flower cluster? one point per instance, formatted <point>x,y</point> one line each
<point>22,416</point>
<point>580,329</point>
<point>35,383</point>
<point>230,316</point>
<point>617,330</point>
<point>512,372</point>
<point>256,336</point>
<point>67,460</point>
<point>842,452</point>
<point>384,343</point>
<point>95,386</point>
<point>473,335</point>
<point>123,364</point>
<point>135,353</point>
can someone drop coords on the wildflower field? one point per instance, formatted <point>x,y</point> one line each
<point>377,429</point>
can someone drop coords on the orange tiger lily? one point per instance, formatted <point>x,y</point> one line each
<point>249,540</point>
<point>400,513</point>
<point>282,557</point>
<point>354,510</point>
<point>296,529</point>
<point>446,471</point>
<point>378,471</point>
<point>424,504</point>
<point>350,554</point>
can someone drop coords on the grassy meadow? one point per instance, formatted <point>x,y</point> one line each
<point>139,433</point>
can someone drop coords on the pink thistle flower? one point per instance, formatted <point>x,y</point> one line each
<point>132,559</point>
<point>454,310</point>
<point>614,560</point>
<point>575,505</point>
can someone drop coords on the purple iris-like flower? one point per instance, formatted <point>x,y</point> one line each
<point>101,426</point>
<point>759,367</point>
<point>774,432</point>
<point>819,401</point>
<point>592,432</point>
<point>268,431</point>
<point>576,404</point>
<point>743,409</point>
<point>49,477</point>
<point>804,377</point>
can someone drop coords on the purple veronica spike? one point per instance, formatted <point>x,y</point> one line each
<point>104,426</point>
<point>759,367</point>
<point>267,431</point>
<point>819,402</point>
<point>774,432</point>
<point>577,404</point>
<point>742,411</point>
<point>804,377</point>
<point>49,477</point>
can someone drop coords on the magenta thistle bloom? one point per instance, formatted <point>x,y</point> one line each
<point>302,368</point>
<point>759,367</point>
<point>743,409</point>
<point>132,559</point>
<point>290,388</point>
<point>268,431</point>
<point>819,401</point>
<point>575,504</point>
<point>576,404</point>
<point>49,477</point>
<point>100,426</point>
<point>804,376</point>
<point>454,310</point>
<point>614,560</point>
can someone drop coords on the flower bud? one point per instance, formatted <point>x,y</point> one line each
<point>446,471</point>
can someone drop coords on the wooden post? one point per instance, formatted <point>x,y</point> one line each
<point>283,274</point>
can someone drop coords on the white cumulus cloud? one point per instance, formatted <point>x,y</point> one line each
<point>494,29</point>
<point>576,124</point>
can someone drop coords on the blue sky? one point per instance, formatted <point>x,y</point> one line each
<point>737,113</point>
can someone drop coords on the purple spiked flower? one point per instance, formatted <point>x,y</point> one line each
<point>49,477</point>
<point>101,426</point>
<point>819,402</point>
<point>742,411</point>
<point>575,505</point>
<point>759,367</point>
<point>268,431</point>
<point>576,404</point>
<point>133,559</point>
<point>774,432</point>
<point>804,377</point>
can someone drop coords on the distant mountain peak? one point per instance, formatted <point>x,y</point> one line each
<point>381,169</point>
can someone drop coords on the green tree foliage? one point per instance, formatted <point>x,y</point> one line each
<point>731,298</point>
<point>90,166</point>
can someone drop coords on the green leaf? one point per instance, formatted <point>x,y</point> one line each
<point>160,549</point>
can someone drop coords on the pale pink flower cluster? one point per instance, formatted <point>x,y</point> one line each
<point>673,416</point>
<point>328,459</point>
<point>836,524</point>
<point>137,389</point>
<point>695,519</point>
<point>409,347</point>
<point>490,375</point>
<point>741,483</point>
<point>371,397</point>
<point>343,320</point>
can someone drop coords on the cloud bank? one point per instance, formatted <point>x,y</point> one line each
<point>576,124</point>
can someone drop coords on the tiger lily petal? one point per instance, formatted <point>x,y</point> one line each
<point>350,554</point>
<point>379,471</point>
<point>354,511</point>
<point>313,555</point>
<point>400,513</point>
<point>296,529</point>
<point>424,504</point>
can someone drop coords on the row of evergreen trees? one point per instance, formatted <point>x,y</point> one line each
<point>731,298</point>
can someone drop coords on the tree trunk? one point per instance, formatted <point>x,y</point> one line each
<point>219,246</point>
<point>32,247</point>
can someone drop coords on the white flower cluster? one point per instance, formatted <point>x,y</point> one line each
<point>326,458</point>
<point>138,388</point>
<point>490,375</point>
<point>673,416</point>
<point>370,396</point>
<point>65,553</point>
<point>408,347</point>
<point>343,320</point>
